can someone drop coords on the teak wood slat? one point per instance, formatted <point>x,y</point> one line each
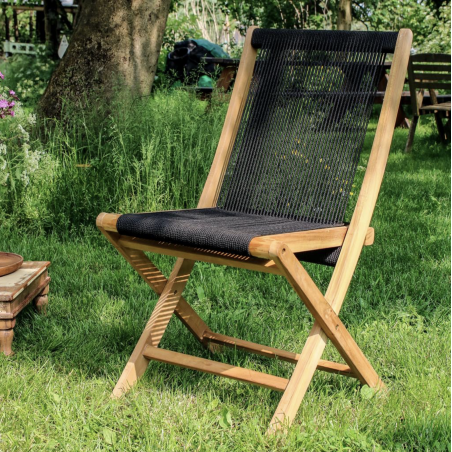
<point>427,76</point>
<point>431,67</point>
<point>313,240</point>
<point>431,85</point>
<point>276,353</point>
<point>231,124</point>
<point>216,368</point>
<point>270,254</point>
<point>213,257</point>
<point>445,106</point>
<point>430,58</point>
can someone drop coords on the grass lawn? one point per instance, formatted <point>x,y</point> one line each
<point>54,392</point>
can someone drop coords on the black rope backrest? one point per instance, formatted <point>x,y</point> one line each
<point>304,123</point>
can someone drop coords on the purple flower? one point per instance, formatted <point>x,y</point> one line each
<point>12,93</point>
<point>11,104</point>
<point>2,76</point>
<point>12,113</point>
<point>4,103</point>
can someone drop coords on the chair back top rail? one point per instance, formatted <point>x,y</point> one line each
<point>430,58</point>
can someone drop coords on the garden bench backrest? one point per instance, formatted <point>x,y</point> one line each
<point>428,71</point>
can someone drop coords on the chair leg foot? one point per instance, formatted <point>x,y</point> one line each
<point>129,377</point>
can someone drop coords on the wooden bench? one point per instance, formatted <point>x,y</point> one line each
<point>230,66</point>
<point>430,72</point>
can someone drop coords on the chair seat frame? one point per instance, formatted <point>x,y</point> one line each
<point>270,254</point>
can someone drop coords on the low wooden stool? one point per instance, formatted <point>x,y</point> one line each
<point>30,282</point>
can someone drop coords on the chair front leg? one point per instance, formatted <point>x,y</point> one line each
<point>327,325</point>
<point>323,313</point>
<point>156,325</point>
<point>155,279</point>
<point>299,381</point>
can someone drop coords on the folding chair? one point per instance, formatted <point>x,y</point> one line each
<point>276,194</point>
<point>429,71</point>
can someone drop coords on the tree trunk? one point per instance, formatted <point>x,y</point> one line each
<point>344,15</point>
<point>116,43</point>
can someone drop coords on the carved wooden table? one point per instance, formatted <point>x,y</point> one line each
<point>29,283</point>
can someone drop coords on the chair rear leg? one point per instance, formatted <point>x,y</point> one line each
<point>323,313</point>
<point>327,325</point>
<point>409,143</point>
<point>440,126</point>
<point>156,326</point>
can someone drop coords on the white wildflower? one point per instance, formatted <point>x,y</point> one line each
<point>33,161</point>
<point>3,166</point>
<point>2,149</point>
<point>25,134</point>
<point>24,178</point>
<point>31,119</point>
<point>26,148</point>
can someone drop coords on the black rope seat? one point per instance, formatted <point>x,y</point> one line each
<point>294,159</point>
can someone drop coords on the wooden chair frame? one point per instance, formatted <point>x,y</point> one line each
<point>272,254</point>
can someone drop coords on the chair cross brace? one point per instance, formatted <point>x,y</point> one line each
<point>171,302</point>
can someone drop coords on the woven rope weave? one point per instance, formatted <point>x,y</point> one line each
<point>213,228</point>
<point>297,148</point>
<point>304,123</point>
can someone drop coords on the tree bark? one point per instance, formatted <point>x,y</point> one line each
<point>344,15</point>
<point>115,44</point>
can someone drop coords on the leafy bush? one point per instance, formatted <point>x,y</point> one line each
<point>439,39</point>
<point>28,75</point>
<point>149,154</point>
<point>21,160</point>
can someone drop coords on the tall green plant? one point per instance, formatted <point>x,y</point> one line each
<point>146,155</point>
